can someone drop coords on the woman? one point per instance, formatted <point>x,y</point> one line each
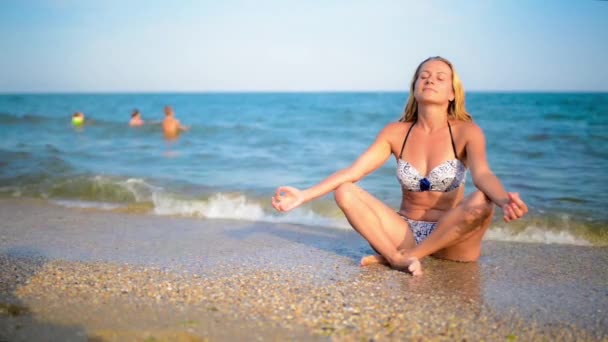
<point>434,143</point>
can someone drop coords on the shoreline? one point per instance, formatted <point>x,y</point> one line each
<point>86,274</point>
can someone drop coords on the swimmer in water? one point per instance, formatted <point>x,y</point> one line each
<point>136,119</point>
<point>77,119</point>
<point>171,126</point>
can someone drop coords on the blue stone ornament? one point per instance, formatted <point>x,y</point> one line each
<point>425,184</point>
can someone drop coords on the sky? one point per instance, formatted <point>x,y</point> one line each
<point>288,45</point>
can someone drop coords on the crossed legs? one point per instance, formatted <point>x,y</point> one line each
<point>457,235</point>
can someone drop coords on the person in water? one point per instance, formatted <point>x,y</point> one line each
<point>136,119</point>
<point>77,119</point>
<point>434,143</point>
<point>171,126</point>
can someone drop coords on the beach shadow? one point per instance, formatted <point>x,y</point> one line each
<point>18,321</point>
<point>346,243</point>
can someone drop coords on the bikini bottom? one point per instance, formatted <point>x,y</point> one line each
<point>420,229</point>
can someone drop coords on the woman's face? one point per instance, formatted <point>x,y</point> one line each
<point>434,83</point>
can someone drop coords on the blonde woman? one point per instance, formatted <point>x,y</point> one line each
<point>434,143</point>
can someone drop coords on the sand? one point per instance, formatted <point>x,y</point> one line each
<point>85,275</point>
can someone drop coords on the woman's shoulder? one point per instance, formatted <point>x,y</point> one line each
<point>396,126</point>
<point>466,128</point>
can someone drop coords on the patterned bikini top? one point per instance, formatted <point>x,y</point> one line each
<point>444,177</point>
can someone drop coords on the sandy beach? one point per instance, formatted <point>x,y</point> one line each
<point>88,275</point>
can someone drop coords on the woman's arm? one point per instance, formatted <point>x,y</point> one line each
<point>287,198</point>
<point>485,180</point>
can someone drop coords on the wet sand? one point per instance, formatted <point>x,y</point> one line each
<point>74,274</point>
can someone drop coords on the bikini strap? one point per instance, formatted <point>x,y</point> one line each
<point>452,139</point>
<point>404,140</point>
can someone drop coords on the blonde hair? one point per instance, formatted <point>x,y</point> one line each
<point>456,108</point>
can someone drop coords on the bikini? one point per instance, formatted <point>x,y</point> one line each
<point>445,177</point>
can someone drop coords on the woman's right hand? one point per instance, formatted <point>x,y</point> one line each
<point>287,198</point>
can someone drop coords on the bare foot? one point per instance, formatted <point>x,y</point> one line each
<point>414,266</point>
<point>373,259</point>
<point>409,264</point>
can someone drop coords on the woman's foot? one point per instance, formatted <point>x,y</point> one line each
<point>414,266</point>
<point>408,264</point>
<point>373,259</point>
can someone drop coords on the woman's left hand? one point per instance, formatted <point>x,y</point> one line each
<point>515,208</point>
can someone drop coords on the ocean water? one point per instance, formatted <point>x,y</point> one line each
<point>551,148</point>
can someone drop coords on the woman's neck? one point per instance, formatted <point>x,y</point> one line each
<point>431,118</point>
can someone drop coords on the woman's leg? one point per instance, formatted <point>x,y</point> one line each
<point>381,226</point>
<point>459,232</point>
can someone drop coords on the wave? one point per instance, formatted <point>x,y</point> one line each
<point>239,207</point>
<point>535,234</point>
<point>94,121</point>
<point>9,119</point>
<point>135,195</point>
<point>87,205</point>
<point>151,123</point>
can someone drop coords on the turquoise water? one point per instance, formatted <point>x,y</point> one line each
<point>551,148</point>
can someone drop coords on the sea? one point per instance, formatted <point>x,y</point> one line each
<point>551,148</point>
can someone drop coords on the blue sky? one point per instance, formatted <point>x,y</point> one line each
<point>154,46</point>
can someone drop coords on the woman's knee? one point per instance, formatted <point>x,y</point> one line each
<point>344,194</point>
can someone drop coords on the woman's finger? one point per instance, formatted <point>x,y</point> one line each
<point>275,204</point>
<point>279,191</point>
<point>285,190</point>
<point>519,206</point>
<point>517,210</point>
<point>514,196</point>
<point>505,213</point>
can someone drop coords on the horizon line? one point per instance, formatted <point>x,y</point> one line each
<point>151,92</point>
